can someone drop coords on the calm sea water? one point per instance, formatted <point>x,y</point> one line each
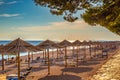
<point>22,54</point>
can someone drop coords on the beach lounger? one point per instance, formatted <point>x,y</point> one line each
<point>72,64</point>
<point>105,54</point>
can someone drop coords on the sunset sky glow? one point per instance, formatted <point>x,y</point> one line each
<point>22,18</point>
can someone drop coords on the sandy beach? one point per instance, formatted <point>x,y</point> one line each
<point>58,71</point>
<point>110,70</point>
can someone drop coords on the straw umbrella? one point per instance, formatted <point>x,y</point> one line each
<point>77,43</point>
<point>16,47</point>
<point>65,43</point>
<point>47,45</point>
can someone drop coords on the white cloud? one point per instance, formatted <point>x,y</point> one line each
<point>9,3</point>
<point>9,15</point>
<point>13,2</point>
<point>64,30</point>
<point>1,3</point>
<point>78,25</point>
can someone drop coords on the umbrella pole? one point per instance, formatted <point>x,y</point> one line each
<point>84,52</point>
<point>77,56</point>
<point>73,50</point>
<point>3,61</point>
<point>90,50</point>
<point>16,60</point>
<point>28,59</point>
<point>48,63</point>
<point>57,53</point>
<point>18,66</point>
<point>65,56</point>
<point>8,57</point>
<point>32,56</point>
<point>43,54</point>
<point>52,53</point>
<point>95,51</point>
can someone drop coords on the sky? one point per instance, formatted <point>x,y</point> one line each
<point>25,19</point>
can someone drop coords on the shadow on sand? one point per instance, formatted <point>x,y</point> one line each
<point>5,71</point>
<point>61,77</point>
<point>36,69</point>
<point>78,70</point>
<point>88,63</point>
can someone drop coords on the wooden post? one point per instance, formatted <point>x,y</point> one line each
<point>28,59</point>
<point>84,52</point>
<point>77,55</point>
<point>79,50</point>
<point>8,57</point>
<point>18,66</point>
<point>43,54</point>
<point>90,51</point>
<point>73,50</point>
<point>57,53</point>
<point>3,61</point>
<point>48,62</point>
<point>65,56</point>
<point>94,50</point>
<point>32,56</point>
<point>16,59</point>
<point>52,53</point>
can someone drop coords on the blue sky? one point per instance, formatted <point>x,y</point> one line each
<point>22,18</point>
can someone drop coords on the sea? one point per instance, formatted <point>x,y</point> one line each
<point>22,54</point>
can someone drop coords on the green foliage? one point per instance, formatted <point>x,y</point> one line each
<point>97,12</point>
<point>65,7</point>
<point>107,15</point>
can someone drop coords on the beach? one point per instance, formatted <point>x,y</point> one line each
<point>58,71</point>
<point>110,70</point>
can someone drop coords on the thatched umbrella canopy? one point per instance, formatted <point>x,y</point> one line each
<point>76,43</point>
<point>52,44</point>
<point>85,43</point>
<point>47,45</point>
<point>65,44</point>
<point>16,47</point>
